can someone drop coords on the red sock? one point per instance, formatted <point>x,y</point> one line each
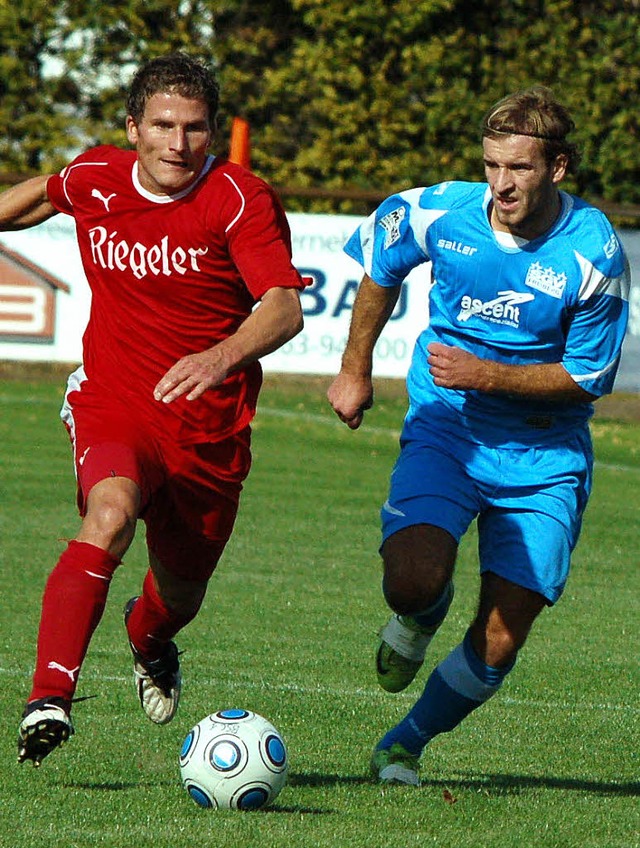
<point>152,623</point>
<point>73,603</point>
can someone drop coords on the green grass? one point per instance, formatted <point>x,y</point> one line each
<point>289,629</point>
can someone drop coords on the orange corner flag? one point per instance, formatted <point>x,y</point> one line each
<point>240,148</point>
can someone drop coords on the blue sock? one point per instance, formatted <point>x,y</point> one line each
<point>433,617</point>
<point>459,684</point>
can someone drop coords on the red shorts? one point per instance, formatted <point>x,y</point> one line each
<point>189,493</point>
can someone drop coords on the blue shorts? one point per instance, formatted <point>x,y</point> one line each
<point>529,502</point>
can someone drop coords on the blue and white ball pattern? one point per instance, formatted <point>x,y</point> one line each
<point>235,760</point>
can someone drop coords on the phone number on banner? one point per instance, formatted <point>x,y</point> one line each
<point>329,345</point>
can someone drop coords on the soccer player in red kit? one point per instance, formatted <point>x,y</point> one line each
<point>188,258</point>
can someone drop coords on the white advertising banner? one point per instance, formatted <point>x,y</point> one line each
<point>50,251</point>
<point>317,252</point>
<point>327,302</point>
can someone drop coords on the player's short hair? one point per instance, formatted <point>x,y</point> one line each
<point>534,112</point>
<point>174,73</point>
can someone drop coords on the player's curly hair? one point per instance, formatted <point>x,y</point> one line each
<point>534,112</point>
<point>174,73</point>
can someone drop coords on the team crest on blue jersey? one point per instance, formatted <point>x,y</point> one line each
<point>546,280</point>
<point>390,223</point>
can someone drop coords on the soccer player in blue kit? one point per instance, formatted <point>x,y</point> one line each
<point>527,315</point>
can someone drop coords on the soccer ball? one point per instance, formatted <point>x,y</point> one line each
<point>233,760</point>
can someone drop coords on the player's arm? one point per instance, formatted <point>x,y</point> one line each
<point>454,368</point>
<point>277,319</point>
<point>26,204</point>
<point>351,393</point>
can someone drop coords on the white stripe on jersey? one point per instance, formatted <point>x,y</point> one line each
<point>595,282</point>
<point>583,378</point>
<point>66,173</point>
<point>421,220</point>
<point>243,202</point>
<point>74,383</point>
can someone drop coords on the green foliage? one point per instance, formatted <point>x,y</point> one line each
<point>374,96</point>
<point>65,68</point>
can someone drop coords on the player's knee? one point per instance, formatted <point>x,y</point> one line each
<point>418,565</point>
<point>409,586</point>
<point>407,591</point>
<point>111,515</point>
<point>407,598</point>
<point>183,597</point>
<point>112,525</point>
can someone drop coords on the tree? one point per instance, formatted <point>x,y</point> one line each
<point>347,96</point>
<point>391,93</point>
<point>65,68</point>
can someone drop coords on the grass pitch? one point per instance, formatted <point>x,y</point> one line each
<point>289,629</point>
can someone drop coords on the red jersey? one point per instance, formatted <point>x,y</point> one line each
<point>171,276</point>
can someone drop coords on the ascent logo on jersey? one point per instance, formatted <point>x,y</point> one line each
<point>546,280</point>
<point>110,252</point>
<point>504,309</point>
<point>390,223</point>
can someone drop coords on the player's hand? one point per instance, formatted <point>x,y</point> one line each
<point>192,375</point>
<point>454,368</point>
<point>350,396</point>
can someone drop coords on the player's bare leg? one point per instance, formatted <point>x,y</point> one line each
<point>471,674</point>
<point>417,584</point>
<point>73,603</point>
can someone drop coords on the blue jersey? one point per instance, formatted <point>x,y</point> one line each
<point>562,297</point>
